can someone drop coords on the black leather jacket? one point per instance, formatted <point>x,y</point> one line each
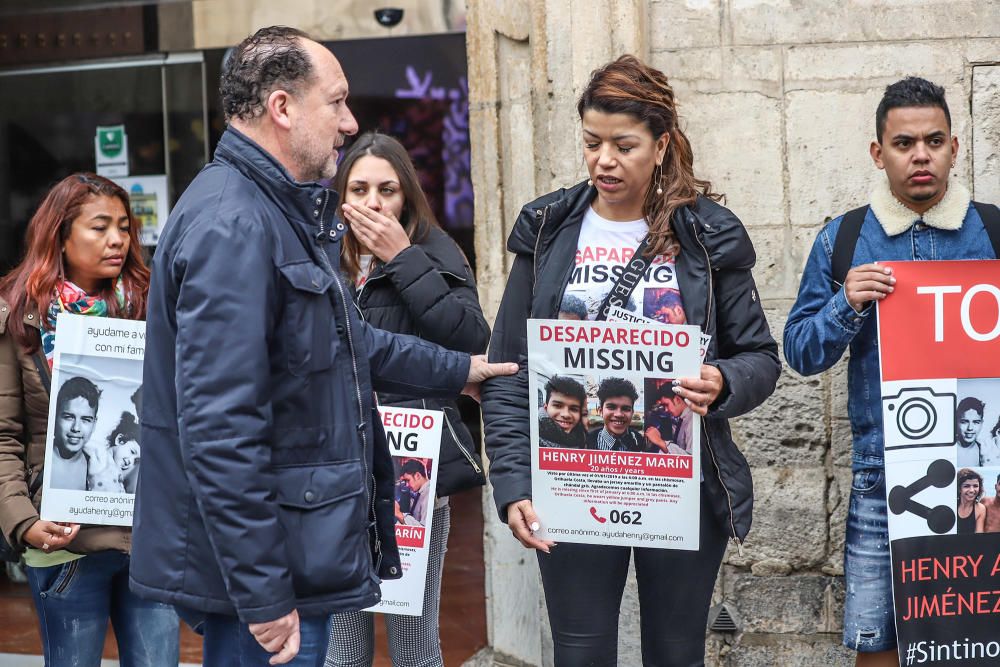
<point>713,271</point>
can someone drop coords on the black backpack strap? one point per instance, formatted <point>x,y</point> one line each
<point>991,221</point>
<point>843,246</point>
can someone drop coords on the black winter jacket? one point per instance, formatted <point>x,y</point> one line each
<point>266,480</point>
<point>428,290</point>
<point>713,271</point>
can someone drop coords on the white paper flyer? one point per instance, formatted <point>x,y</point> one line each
<point>92,449</point>
<point>616,456</point>
<point>414,441</point>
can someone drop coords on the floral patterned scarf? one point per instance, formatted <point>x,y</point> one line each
<point>70,298</point>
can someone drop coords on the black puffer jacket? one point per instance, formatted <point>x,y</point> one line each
<point>713,270</point>
<point>428,290</point>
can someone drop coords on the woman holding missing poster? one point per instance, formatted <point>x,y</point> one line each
<point>82,256</point>
<point>642,200</point>
<point>411,278</point>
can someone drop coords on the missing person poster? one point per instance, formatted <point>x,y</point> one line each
<point>940,362</point>
<point>615,453</point>
<point>414,442</point>
<point>92,450</point>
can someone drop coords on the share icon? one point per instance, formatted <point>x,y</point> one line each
<point>940,519</point>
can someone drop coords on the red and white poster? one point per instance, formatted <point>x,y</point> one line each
<point>414,441</point>
<point>940,361</point>
<point>616,456</point>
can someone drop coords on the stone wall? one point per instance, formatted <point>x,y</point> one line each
<point>778,99</point>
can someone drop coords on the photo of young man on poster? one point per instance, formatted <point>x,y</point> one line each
<point>664,305</point>
<point>968,424</point>
<point>95,443</point>
<point>992,505</point>
<point>668,420</point>
<point>414,490</point>
<point>617,398</point>
<point>560,418</point>
<point>989,446</point>
<point>76,415</point>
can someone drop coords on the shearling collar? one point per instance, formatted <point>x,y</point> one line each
<point>949,213</point>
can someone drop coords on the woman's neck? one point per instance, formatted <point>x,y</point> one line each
<point>90,286</point>
<point>618,211</point>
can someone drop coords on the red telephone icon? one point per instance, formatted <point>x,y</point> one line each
<point>593,513</point>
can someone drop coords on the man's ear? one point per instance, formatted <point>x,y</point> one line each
<point>276,108</point>
<point>876,152</point>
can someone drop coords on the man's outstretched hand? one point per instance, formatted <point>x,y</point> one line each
<point>480,369</point>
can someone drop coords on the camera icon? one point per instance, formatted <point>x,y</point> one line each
<point>918,417</point>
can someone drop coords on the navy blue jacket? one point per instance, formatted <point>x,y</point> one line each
<point>266,484</point>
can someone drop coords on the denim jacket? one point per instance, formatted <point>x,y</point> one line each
<point>822,324</point>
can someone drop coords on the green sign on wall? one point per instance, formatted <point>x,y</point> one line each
<point>111,151</point>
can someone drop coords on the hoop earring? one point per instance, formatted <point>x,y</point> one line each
<point>658,178</point>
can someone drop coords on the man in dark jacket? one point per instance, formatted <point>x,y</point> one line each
<point>268,484</point>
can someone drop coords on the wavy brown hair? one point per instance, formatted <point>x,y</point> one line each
<point>417,217</point>
<point>629,86</point>
<point>31,285</point>
<point>964,475</point>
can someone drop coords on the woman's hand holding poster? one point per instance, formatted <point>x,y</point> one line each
<point>615,453</point>
<point>92,451</point>
<point>940,357</point>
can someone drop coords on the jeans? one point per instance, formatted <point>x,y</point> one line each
<point>228,642</point>
<point>869,616</point>
<point>74,602</point>
<point>583,591</point>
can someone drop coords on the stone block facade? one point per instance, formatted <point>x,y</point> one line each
<point>778,99</point>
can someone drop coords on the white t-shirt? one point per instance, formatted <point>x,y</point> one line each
<point>365,265</point>
<point>604,247</point>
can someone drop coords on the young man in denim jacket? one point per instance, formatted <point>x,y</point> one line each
<point>915,213</point>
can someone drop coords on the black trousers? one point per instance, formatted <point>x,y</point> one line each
<point>583,591</point>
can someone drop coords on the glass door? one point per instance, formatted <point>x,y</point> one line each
<point>50,117</point>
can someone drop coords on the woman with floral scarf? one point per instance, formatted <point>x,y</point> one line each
<point>82,256</point>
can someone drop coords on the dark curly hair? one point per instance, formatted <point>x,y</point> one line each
<point>270,59</point>
<point>611,387</point>
<point>127,428</point>
<point>909,92</point>
<point>967,474</point>
<point>566,386</point>
<point>78,387</point>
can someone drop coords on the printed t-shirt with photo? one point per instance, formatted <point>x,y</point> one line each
<point>603,250</point>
